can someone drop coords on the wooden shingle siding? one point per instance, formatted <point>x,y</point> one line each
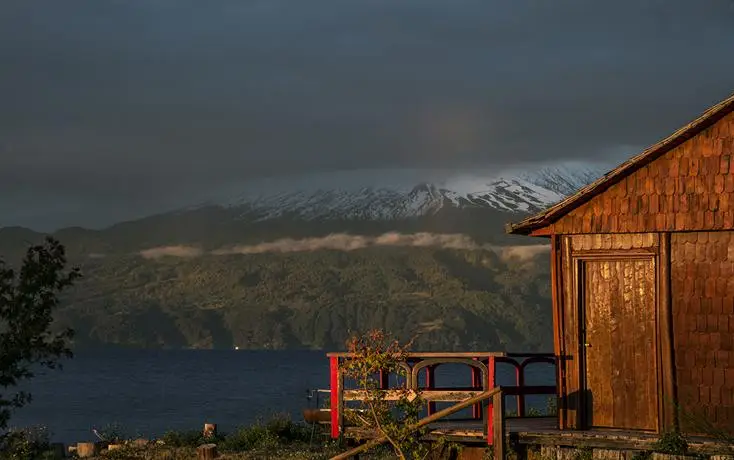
<point>644,286</point>
<point>702,277</point>
<point>610,242</point>
<point>691,187</point>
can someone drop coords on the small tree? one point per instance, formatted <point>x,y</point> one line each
<point>27,300</point>
<point>390,417</point>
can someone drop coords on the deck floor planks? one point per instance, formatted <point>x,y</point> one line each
<point>544,431</point>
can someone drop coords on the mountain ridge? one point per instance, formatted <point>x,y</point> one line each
<point>304,269</point>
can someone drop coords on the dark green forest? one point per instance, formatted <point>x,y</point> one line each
<point>446,299</point>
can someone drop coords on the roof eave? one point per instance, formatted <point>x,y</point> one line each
<point>555,212</point>
<point>520,228</point>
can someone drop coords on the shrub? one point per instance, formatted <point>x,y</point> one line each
<point>24,444</point>
<point>672,443</point>
<point>188,438</point>
<point>393,417</point>
<point>279,430</point>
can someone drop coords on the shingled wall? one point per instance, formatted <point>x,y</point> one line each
<point>702,289</point>
<point>689,188</point>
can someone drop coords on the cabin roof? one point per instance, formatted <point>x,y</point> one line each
<point>553,213</point>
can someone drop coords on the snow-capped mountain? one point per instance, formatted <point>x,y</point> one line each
<point>399,194</point>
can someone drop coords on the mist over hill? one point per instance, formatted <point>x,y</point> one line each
<point>303,267</point>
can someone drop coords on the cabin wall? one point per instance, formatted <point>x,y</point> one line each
<point>702,291</point>
<point>568,326</point>
<point>699,293</point>
<point>689,188</point>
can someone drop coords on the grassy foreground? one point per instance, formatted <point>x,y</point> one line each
<point>277,438</point>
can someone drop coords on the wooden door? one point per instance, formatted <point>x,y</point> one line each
<point>618,341</point>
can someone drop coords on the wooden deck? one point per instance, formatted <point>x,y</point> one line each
<point>474,431</point>
<point>543,431</point>
<point>489,423</point>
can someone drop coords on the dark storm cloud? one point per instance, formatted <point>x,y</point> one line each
<point>114,108</point>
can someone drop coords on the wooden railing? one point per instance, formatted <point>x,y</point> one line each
<point>483,378</point>
<point>495,394</point>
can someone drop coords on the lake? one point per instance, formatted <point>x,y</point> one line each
<point>148,392</point>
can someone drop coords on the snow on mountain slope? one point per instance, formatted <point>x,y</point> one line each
<point>396,194</point>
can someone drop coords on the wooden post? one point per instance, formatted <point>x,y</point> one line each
<point>520,382</point>
<point>335,388</point>
<point>430,385</point>
<point>86,449</point>
<point>384,379</point>
<point>498,417</point>
<point>476,381</point>
<point>556,271</point>
<point>491,383</point>
<point>668,419</point>
<point>206,452</point>
<point>210,430</point>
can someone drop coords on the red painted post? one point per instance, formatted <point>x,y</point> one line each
<point>476,381</point>
<point>491,383</point>
<point>334,391</point>
<point>431,385</point>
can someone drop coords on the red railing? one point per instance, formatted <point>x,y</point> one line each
<point>483,375</point>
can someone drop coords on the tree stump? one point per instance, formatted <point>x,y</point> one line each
<point>210,430</point>
<point>86,449</point>
<point>206,452</point>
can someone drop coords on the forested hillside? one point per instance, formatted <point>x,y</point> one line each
<point>447,299</point>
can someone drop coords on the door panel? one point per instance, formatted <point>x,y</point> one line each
<point>618,340</point>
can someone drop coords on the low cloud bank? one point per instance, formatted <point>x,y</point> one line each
<point>172,251</point>
<point>522,253</point>
<point>346,242</point>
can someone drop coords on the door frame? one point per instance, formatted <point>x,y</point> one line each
<point>578,262</point>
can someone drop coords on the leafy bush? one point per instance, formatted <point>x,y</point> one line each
<point>188,438</point>
<point>672,443</point>
<point>393,418</point>
<point>285,430</point>
<point>278,430</point>
<point>112,432</point>
<point>24,444</point>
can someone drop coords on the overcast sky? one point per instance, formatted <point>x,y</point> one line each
<point>116,108</point>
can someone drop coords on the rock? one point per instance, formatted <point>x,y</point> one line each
<point>140,442</point>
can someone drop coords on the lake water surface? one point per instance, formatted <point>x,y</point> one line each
<point>148,392</point>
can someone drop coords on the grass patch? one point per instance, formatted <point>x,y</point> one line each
<point>279,430</point>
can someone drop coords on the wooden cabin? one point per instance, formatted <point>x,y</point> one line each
<point>643,286</point>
